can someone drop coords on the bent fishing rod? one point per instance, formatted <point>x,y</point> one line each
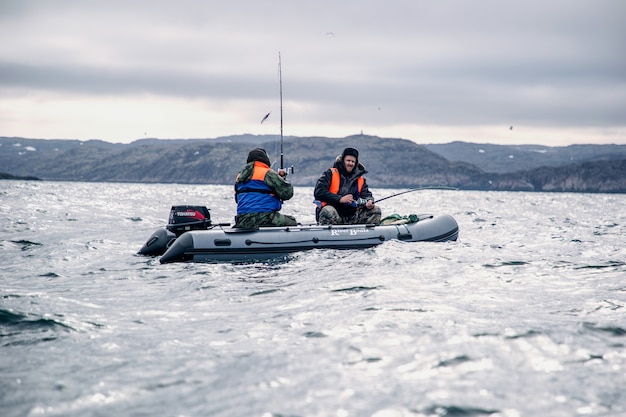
<point>436,187</point>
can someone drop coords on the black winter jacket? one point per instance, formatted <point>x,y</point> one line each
<point>347,185</point>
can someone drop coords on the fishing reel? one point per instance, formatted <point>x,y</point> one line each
<point>283,172</point>
<point>360,202</point>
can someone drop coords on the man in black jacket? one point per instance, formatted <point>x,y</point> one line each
<point>342,194</point>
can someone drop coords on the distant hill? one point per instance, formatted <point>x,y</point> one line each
<point>393,163</point>
<point>5,176</point>
<point>514,158</point>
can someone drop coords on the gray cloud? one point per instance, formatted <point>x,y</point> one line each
<point>559,63</point>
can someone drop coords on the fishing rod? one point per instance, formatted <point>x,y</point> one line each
<point>280,83</point>
<point>417,189</point>
<point>282,154</point>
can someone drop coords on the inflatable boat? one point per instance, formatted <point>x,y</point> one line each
<point>191,237</point>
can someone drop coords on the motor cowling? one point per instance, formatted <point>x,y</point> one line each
<point>185,218</point>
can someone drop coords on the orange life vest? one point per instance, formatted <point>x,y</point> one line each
<point>260,169</point>
<point>336,180</point>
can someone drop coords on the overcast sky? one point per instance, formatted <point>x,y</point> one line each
<point>432,71</point>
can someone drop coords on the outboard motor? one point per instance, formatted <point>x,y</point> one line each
<point>185,218</point>
<point>182,219</point>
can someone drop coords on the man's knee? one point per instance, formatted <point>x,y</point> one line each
<point>280,219</point>
<point>329,215</point>
<point>371,216</point>
<point>374,215</point>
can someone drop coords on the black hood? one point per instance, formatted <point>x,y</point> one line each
<point>359,169</point>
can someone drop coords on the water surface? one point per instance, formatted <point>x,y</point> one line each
<point>523,316</point>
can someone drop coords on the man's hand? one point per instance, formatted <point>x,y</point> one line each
<point>282,173</point>
<point>346,199</point>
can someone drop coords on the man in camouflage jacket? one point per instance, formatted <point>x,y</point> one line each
<point>259,193</point>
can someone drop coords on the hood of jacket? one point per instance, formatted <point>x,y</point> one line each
<point>359,169</point>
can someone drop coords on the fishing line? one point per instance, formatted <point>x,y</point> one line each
<point>417,189</point>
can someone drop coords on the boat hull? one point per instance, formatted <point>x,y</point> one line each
<point>227,244</point>
<point>158,242</point>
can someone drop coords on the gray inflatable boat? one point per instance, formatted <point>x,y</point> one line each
<point>192,238</point>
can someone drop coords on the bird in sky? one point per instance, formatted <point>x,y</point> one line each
<point>265,118</point>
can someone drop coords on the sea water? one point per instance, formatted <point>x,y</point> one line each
<point>523,316</point>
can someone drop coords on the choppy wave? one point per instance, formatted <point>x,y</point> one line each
<point>524,315</point>
<point>22,329</point>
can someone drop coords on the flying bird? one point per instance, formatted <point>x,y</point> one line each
<point>265,118</point>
